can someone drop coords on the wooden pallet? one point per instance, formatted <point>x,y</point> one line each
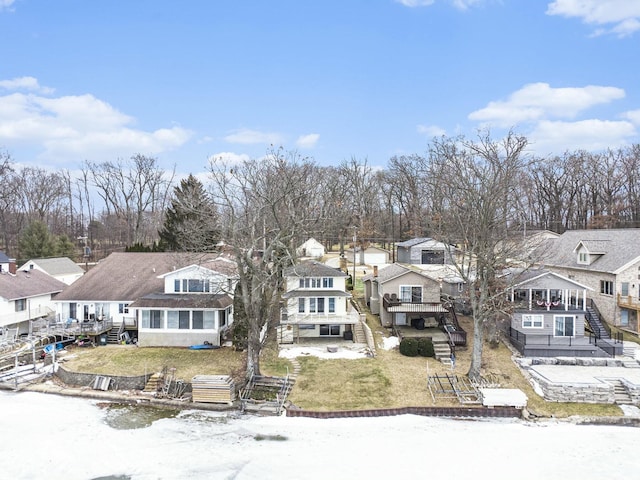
<point>213,389</point>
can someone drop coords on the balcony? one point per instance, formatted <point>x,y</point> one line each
<point>393,304</point>
<point>627,301</point>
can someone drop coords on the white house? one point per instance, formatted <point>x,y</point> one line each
<point>311,248</point>
<point>61,268</point>
<point>24,296</point>
<point>316,304</point>
<point>162,299</point>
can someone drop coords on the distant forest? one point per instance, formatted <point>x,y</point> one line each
<point>113,205</point>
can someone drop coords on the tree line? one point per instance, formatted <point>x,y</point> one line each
<point>121,203</point>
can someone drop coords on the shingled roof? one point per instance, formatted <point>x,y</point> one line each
<point>133,275</point>
<point>55,266</point>
<point>313,269</point>
<point>616,248</point>
<point>28,284</point>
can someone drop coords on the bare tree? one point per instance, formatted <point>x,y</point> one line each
<point>265,206</point>
<point>136,192</point>
<point>478,204</point>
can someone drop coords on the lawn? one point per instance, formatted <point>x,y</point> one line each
<point>388,380</point>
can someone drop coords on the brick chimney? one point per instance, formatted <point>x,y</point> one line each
<point>12,266</point>
<point>375,270</point>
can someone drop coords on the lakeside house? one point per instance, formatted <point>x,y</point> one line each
<point>61,268</point>
<point>159,299</point>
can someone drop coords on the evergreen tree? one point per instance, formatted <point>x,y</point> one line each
<point>64,247</point>
<point>191,222</point>
<point>36,241</point>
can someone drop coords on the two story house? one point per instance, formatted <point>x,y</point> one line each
<point>316,304</point>
<point>606,261</point>
<point>161,299</point>
<point>24,296</point>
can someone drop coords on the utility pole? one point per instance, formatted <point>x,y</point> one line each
<point>353,280</point>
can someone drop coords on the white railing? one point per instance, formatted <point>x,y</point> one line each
<point>24,315</point>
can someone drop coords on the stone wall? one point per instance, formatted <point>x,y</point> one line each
<point>87,379</point>
<point>576,392</point>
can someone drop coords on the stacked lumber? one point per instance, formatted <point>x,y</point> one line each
<point>213,389</point>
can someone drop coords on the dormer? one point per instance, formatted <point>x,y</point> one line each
<point>588,251</point>
<point>196,279</point>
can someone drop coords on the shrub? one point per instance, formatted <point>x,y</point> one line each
<point>425,347</point>
<point>409,347</point>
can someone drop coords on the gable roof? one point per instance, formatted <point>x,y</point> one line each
<point>394,271</point>
<point>543,278</point>
<point>55,266</point>
<point>28,284</point>
<point>132,275</point>
<point>617,248</point>
<point>313,269</point>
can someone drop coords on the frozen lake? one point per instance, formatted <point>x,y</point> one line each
<point>48,436</point>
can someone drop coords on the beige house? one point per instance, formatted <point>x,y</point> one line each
<point>606,261</point>
<point>402,293</point>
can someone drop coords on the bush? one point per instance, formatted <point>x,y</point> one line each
<point>425,347</point>
<point>409,347</point>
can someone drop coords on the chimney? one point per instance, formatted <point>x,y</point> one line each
<point>12,266</point>
<point>375,270</point>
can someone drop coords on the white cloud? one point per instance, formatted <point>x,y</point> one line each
<point>25,83</point>
<point>78,127</point>
<point>247,136</point>
<point>623,14</point>
<point>230,158</point>
<point>633,115</point>
<point>539,100</point>
<point>307,141</point>
<point>591,135</point>
<point>6,4</point>
<point>415,3</point>
<point>431,130</point>
<point>464,4</point>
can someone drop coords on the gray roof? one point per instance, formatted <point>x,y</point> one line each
<point>176,300</point>
<point>313,269</point>
<point>55,266</point>
<point>4,258</point>
<point>414,241</point>
<point>396,270</point>
<point>543,278</point>
<point>130,276</point>
<point>616,248</point>
<point>28,284</point>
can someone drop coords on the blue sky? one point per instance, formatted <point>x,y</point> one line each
<point>369,79</point>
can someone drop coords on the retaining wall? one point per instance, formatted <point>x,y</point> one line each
<point>502,412</point>
<point>86,379</point>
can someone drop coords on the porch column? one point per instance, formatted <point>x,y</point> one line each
<point>566,294</point>
<point>547,301</point>
<point>530,299</point>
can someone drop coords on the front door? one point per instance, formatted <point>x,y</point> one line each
<point>564,326</point>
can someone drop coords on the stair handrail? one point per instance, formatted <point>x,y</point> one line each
<point>597,320</point>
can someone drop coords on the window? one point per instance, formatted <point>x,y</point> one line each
<point>21,304</point>
<point>151,319</point>
<point>222,317</point>
<point>624,289</point>
<point>327,282</point>
<point>310,282</point>
<point>320,305</point>
<point>330,330</point>
<point>312,305</point>
<point>432,257</point>
<point>583,258</point>
<point>198,320</point>
<point>209,319</point>
<point>301,305</point>
<point>532,321</point>
<point>564,325</point>
<point>606,287</point>
<point>123,308</point>
<point>176,285</point>
<point>332,305</point>
<point>411,293</point>
<point>198,286</point>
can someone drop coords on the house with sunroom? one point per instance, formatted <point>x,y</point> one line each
<point>159,299</point>
<point>316,304</point>
<point>608,262</point>
<point>549,316</point>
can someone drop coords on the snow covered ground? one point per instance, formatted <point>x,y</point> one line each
<point>46,436</point>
